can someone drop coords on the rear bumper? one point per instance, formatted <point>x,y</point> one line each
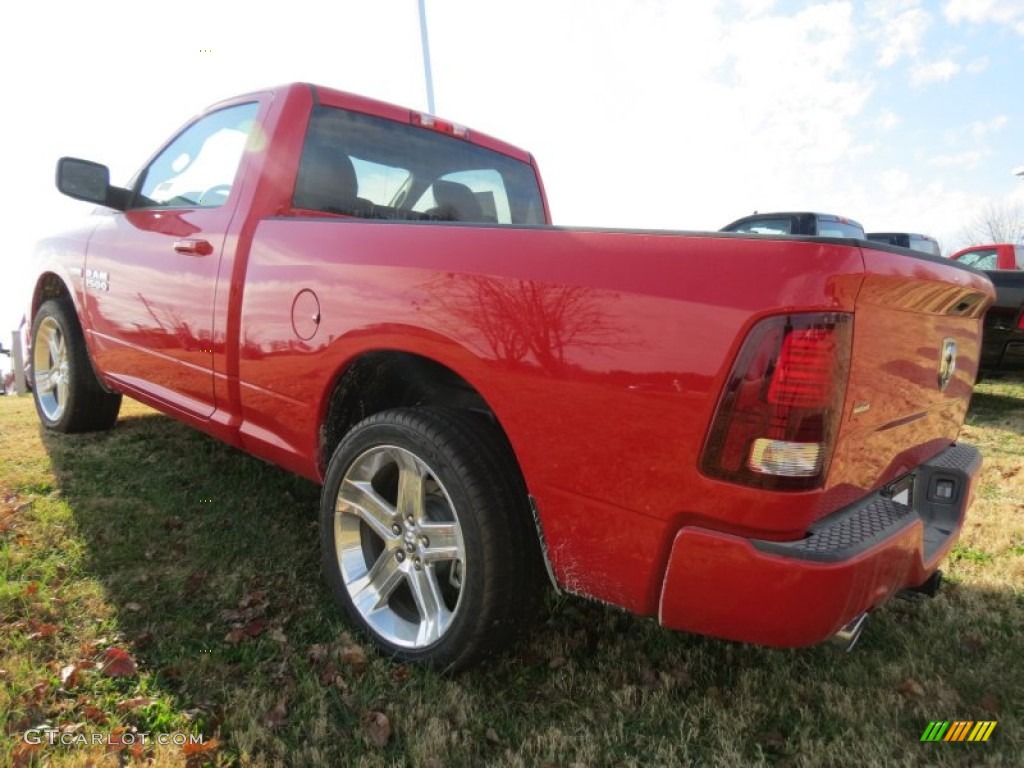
<point>802,592</point>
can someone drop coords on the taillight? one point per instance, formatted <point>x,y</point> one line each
<point>777,418</point>
<point>441,126</point>
<point>1020,322</point>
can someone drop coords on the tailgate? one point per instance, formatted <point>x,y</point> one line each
<point>916,346</point>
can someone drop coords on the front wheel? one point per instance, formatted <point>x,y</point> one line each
<point>427,542</point>
<point>67,395</point>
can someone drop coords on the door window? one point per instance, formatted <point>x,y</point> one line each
<point>197,169</point>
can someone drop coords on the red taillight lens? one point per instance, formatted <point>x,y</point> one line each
<point>803,375</point>
<point>777,419</point>
<point>1020,322</point>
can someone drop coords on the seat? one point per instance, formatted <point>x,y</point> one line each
<point>327,181</point>
<point>455,202</point>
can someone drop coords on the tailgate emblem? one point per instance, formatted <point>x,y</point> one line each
<point>947,363</point>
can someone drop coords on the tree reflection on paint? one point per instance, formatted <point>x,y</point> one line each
<point>523,321</point>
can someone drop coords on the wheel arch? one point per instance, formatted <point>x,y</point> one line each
<point>50,285</point>
<point>380,379</point>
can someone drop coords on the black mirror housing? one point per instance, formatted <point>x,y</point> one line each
<point>89,181</point>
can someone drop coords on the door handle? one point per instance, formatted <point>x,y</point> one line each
<point>193,247</point>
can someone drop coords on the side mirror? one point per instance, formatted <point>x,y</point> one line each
<point>88,181</point>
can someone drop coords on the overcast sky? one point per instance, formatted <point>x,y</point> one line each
<point>902,114</point>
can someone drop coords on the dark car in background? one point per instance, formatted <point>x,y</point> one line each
<point>911,240</point>
<point>797,223</point>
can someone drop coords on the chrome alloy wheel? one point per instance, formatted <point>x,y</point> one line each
<point>50,367</point>
<point>399,546</point>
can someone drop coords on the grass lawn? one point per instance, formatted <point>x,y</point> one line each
<point>155,582</point>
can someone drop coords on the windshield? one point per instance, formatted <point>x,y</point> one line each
<point>358,165</point>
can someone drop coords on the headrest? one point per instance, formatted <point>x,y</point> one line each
<point>457,200</point>
<point>326,179</point>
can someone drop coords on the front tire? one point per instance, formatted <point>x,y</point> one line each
<point>67,394</point>
<point>427,542</point>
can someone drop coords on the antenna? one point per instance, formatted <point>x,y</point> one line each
<point>426,56</point>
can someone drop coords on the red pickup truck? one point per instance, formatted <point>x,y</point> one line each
<point>989,257</point>
<point>752,438</point>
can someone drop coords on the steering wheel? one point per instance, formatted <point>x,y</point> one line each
<point>207,198</point>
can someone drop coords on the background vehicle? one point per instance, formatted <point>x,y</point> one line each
<point>916,242</point>
<point>988,257</point>
<point>719,430</point>
<point>799,223</point>
<point>1002,347</point>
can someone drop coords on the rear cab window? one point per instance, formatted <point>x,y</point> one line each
<point>925,245</point>
<point>365,166</point>
<point>828,227</point>
<point>983,258</point>
<point>780,226</point>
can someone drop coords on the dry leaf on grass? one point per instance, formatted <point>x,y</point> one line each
<point>23,755</point>
<point>199,754</point>
<point>117,662</point>
<point>194,583</point>
<point>235,636</point>
<point>973,641</point>
<point>256,597</point>
<point>378,728</point>
<point>69,676</point>
<point>354,656</point>
<point>40,631</point>
<point>143,639</point>
<point>492,736</point>
<point>255,628</point>
<point>95,714</point>
<point>128,705</point>
<point>910,689</point>
<point>316,653</point>
<point>989,703</point>
<point>277,717</point>
<point>771,739</point>
<point>278,636</point>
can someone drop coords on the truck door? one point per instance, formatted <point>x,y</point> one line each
<point>151,272</point>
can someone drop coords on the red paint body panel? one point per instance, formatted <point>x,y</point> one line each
<point>602,355</point>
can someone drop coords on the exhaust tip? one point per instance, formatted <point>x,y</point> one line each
<point>848,636</point>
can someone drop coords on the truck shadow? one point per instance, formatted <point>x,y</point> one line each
<point>210,559</point>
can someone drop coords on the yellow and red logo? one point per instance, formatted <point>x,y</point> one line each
<point>958,730</point>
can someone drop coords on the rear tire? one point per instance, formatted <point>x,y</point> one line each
<point>67,394</point>
<point>428,544</point>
